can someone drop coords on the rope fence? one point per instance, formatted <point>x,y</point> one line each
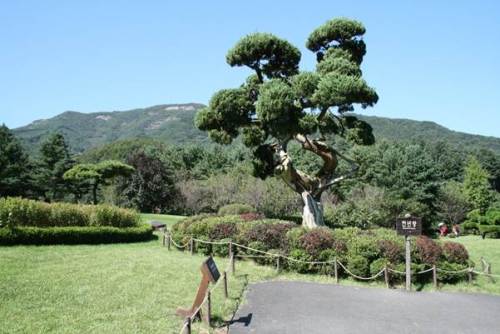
<point>167,239</point>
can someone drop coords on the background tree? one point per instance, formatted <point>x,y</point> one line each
<point>278,104</point>
<point>95,175</point>
<point>55,160</point>
<point>476,185</point>
<point>491,163</point>
<point>453,204</point>
<point>151,188</point>
<point>15,167</point>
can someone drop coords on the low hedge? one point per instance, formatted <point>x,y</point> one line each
<point>74,235</point>
<point>363,252</point>
<point>235,209</point>
<point>17,212</point>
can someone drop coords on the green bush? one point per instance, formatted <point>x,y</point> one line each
<point>74,235</point>
<point>235,209</point>
<point>17,212</point>
<point>446,276</point>
<point>358,265</point>
<point>377,265</point>
<point>300,267</point>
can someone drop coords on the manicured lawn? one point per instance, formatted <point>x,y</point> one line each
<point>135,288</point>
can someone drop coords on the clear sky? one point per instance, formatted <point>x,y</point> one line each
<point>428,60</point>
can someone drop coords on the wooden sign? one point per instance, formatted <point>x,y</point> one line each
<point>209,274</point>
<point>409,226</point>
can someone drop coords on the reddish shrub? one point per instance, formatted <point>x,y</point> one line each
<point>271,235</point>
<point>251,216</point>
<point>455,252</point>
<point>222,231</point>
<point>391,250</point>
<point>428,251</point>
<point>316,240</point>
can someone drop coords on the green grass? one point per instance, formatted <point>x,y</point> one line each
<point>135,288</point>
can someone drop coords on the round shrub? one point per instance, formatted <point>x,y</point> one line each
<point>455,252</point>
<point>235,209</point>
<point>221,249</point>
<point>301,255</point>
<point>106,215</point>
<point>358,265</point>
<point>448,276</point>
<point>251,216</point>
<point>222,231</point>
<point>365,246</point>
<point>316,240</point>
<point>391,251</point>
<point>427,250</point>
<point>293,237</point>
<point>377,265</point>
<point>271,235</point>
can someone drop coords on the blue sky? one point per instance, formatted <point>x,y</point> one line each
<point>428,60</point>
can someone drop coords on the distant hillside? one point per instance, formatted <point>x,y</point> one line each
<point>404,129</point>
<point>173,123</point>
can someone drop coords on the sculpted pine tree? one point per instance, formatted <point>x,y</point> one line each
<point>279,104</point>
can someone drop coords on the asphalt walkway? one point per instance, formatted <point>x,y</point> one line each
<point>297,307</point>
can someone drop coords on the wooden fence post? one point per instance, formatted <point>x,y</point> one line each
<point>469,273</point>
<point>232,264</point>
<point>224,278</point>
<point>434,276</point>
<point>278,264</point>
<point>336,270</point>
<point>168,240</point>
<point>164,239</point>
<point>488,271</point>
<point>209,308</point>
<point>230,248</point>
<point>188,325</point>
<point>191,246</point>
<point>386,277</point>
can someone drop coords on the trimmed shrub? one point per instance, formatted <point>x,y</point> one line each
<point>271,235</point>
<point>365,246</point>
<point>316,240</point>
<point>74,235</point>
<point>455,252</point>
<point>391,251</point>
<point>235,209</point>
<point>358,265</point>
<point>250,216</point>
<point>377,265</point>
<point>299,254</point>
<point>427,250</point>
<point>24,212</point>
<point>447,277</point>
<point>222,231</point>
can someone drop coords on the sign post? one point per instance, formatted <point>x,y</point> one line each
<point>209,274</point>
<point>408,226</point>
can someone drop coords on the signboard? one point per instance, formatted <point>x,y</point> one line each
<point>409,226</point>
<point>211,269</point>
<point>209,274</point>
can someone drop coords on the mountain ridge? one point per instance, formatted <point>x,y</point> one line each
<point>173,123</point>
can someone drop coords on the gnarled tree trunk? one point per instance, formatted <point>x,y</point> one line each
<point>312,214</point>
<point>308,187</point>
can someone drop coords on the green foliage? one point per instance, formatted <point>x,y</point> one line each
<point>235,209</point>
<point>274,57</point>
<point>74,235</point>
<point>288,102</point>
<point>151,187</point>
<point>54,161</point>
<point>476,185</point>
<point>453,204</point>
<point>14,165</point>
<point>94,175</point>
<point>16,212</point>
<point>358,265</point>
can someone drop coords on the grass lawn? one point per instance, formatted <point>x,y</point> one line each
<point>135,288</point>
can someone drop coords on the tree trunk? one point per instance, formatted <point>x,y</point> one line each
<point>312,215</point>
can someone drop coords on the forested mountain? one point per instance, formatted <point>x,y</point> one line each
<point>173,123</point>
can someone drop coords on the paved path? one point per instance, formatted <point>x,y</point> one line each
<point>296,307</point>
